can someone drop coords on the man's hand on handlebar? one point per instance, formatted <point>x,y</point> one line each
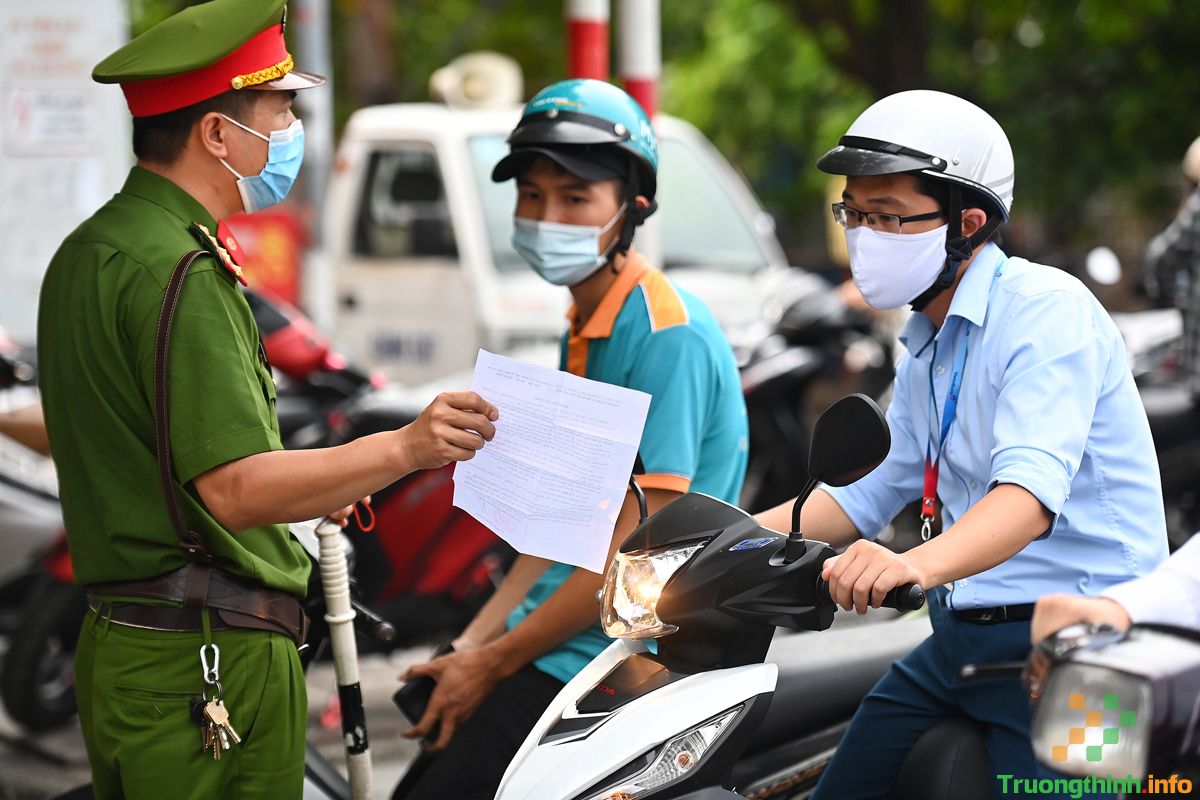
<point>860,577</point>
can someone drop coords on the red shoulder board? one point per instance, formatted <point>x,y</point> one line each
<point>213,245</point>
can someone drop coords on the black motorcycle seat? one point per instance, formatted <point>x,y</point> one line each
<point>1172,412</point>
<point>824,675</point>
<point>950,762</point>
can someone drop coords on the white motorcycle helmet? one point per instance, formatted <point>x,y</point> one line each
<point>943,138</point>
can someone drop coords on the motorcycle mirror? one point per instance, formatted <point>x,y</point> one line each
<point>849,440</point>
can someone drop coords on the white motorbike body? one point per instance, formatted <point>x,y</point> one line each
<point>553,765</point>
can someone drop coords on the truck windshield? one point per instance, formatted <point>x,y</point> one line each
<point>702,227</point>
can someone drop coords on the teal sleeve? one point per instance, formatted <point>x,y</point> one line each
<point>678,370</point>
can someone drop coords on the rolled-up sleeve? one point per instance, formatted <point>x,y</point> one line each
<point>1049,380</point>
<point>872,502</point>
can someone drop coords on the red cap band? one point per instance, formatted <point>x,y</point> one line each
<point>160,95</point>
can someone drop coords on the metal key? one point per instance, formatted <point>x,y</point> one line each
<point>210,741</point>
<point>218,716</point>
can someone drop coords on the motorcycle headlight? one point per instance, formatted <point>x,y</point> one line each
<point>1092,720</point>
<point>632,587</point>
<point>675,759</point>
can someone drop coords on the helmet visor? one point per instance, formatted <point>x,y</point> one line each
<point>588,163</point>
<point>858,156</point>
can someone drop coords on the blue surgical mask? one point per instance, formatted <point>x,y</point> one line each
<point>285,152</point>
<point>562,254</point>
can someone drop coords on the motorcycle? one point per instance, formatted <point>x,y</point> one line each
<point>711,586</point>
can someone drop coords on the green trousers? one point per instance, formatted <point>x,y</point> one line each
<point>134,686</point>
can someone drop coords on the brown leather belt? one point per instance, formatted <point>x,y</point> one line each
<point>238,603</point>
<point>183,619</point>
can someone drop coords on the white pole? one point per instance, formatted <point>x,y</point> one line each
<point>587,38</point>
<point>639,50</point>
<point>335,578</point>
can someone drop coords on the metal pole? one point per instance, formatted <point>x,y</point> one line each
<point>639,50</point>
<point>335,578</point>
<point>309,30</point>
<point>587,39</point>
<point>308,25</point>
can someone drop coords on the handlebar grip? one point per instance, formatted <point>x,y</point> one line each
<point>908,597</point>
<point>372,625</point>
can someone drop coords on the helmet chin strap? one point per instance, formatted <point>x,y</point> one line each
<point>634,216</point>
<point>959,248</point>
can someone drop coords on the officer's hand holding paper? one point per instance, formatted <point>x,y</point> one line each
<point>553,480</point>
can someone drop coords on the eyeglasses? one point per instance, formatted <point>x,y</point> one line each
<point>849,217</point>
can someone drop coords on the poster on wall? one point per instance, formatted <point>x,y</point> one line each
<point>64,140</point>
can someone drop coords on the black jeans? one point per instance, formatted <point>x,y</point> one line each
<point>471,767</point>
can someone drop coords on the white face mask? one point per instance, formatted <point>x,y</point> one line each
<point>892,269</point>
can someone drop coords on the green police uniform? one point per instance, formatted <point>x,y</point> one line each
<point>98,316</point>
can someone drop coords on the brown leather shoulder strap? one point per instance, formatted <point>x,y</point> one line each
<point>191,542</point>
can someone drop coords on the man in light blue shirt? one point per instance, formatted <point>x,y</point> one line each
<point>1013,408</point>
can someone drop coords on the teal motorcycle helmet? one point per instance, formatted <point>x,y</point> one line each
<point>595,131</point>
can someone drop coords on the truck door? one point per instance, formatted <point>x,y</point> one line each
<point>405,306</point>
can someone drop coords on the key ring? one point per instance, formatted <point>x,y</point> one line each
<point>925,527</point>
<point>212,674</point>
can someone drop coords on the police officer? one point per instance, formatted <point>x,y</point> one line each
<point>190,644</point>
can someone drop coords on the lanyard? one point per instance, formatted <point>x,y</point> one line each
<point>933,459</point>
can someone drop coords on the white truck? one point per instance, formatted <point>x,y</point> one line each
<point>417,272</point>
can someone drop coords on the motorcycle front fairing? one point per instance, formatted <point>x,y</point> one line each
<point>629,708</point>
<point>594,734</point>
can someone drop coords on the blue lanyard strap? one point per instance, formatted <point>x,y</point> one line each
<point>949,407</point>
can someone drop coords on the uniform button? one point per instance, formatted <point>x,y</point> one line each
<point>974,485</point>
<point>941,370</point>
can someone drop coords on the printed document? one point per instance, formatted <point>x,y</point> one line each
<point>552,481</point>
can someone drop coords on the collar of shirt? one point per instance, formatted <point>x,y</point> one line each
<point>969,303</point>
<point>154,188</point>
<point>600,324</point>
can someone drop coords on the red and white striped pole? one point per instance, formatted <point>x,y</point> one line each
<point>639,50</point>
<point>587,39</point>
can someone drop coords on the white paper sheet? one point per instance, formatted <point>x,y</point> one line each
<point>553,480</point>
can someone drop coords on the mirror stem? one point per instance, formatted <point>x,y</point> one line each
<point>795,541</point>
<point>641,499</point>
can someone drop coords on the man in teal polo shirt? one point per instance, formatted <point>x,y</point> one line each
<point>585,160</point>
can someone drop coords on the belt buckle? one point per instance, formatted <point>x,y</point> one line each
<point>986,616</point>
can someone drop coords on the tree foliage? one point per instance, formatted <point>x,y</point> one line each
<point>1099,97</point>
